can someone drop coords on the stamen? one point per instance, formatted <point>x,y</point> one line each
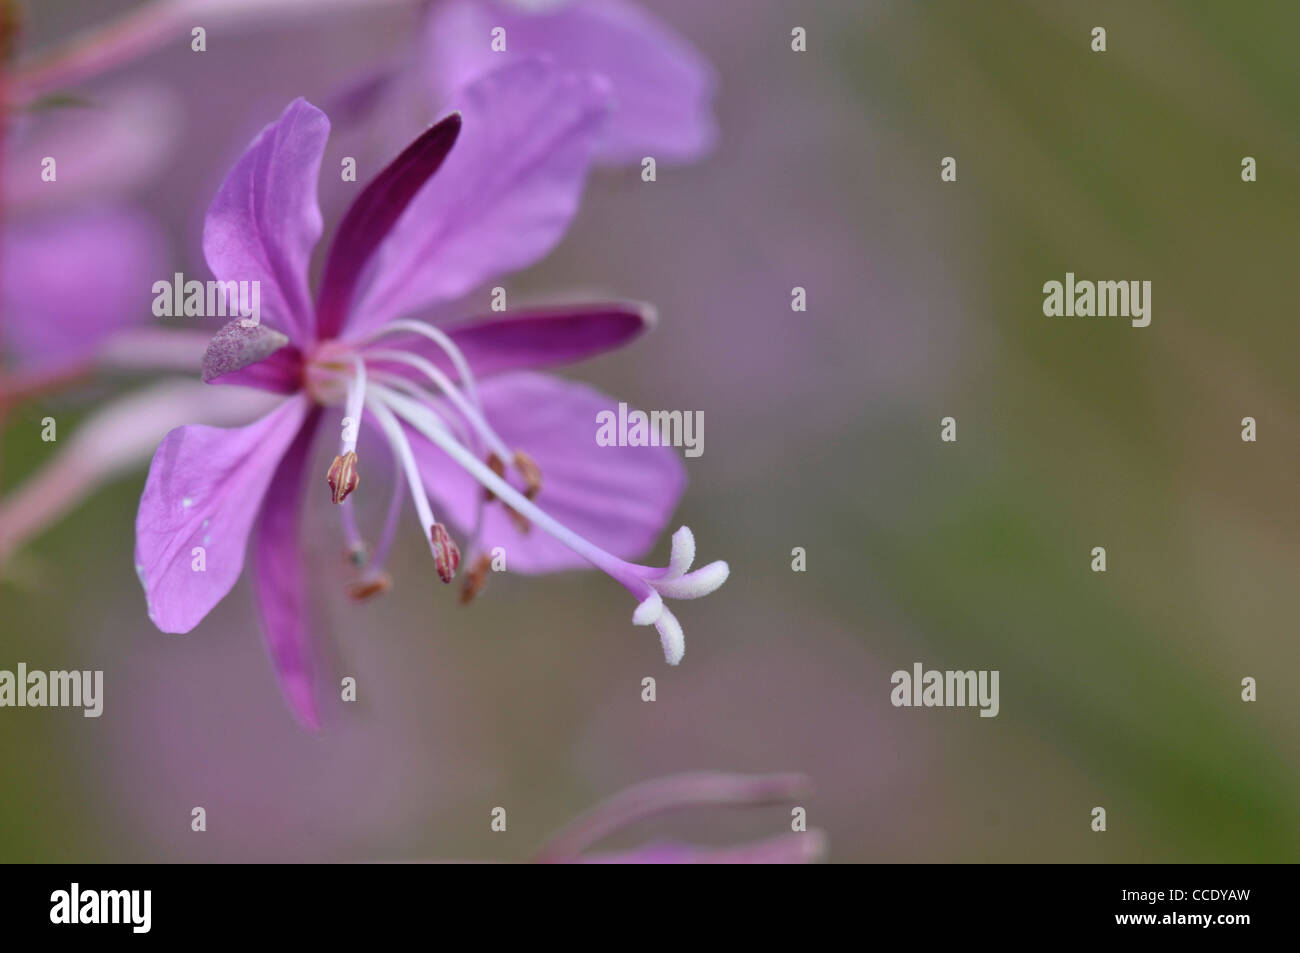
<point>446,555</point>
<point>444,341</point>
<point>528,469</point>
<point>475,579</point>
<point>475,536</point>
<point>649,585</point>
<point>419,418</point>
<point>521,522</point>
<point>402,449</point>
<point>390,523</point>
<point>429,400</point>
<point>497,466</point>
<point>356,546</point>
<point>531,473</point>
<point>472,415</point>
<point>343,476</point>
<point>369,586</point>
<point>356,403</point>
<point>374,581</point>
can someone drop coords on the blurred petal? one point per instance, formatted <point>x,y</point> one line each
<point>805,847</point>
<point>664,795</point>
<point>205,488</point>
<point>154,349</point>
<point>662,86</point>
<point>264,222</point>
<point>278,579</point>
<point>72,281</point>
<point>114,143</point>
<point>619,498</point>
<point>121,436</point>
<point>371,217</point>
<point>530,339</point>
<point>359,98</point>
<point>503,198</point>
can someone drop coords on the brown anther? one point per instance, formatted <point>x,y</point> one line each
<point>446,554</point>
<point>521,522</point>
<point>532,475</point>
<point>497,466</point>
<point>475,579</point>
<point>343,476</point>
<point>368,587</point>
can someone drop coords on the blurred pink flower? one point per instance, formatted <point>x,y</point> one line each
<point>688,792</point>
<point>71,281</point>
<point>76,263</point>
<point>662,86</point>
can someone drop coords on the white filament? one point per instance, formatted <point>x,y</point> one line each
<point>443,382</point>
<point>402,450</point>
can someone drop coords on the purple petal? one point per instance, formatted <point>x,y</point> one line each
<point>255,356</point>
<point>619,498</point>
<point>264,222</point>
<point>278,578</point>
<point>69,283</point>
<point>530,339</point>
<point>372,215</point>
<point>204,489</point>
<point>662,86</point>
<point>503,198</point>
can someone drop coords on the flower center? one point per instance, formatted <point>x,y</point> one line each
<point>390,387</point>
<point>328,371</point>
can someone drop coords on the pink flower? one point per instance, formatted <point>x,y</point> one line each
<point>509,456</point>
<point>662,87</point>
